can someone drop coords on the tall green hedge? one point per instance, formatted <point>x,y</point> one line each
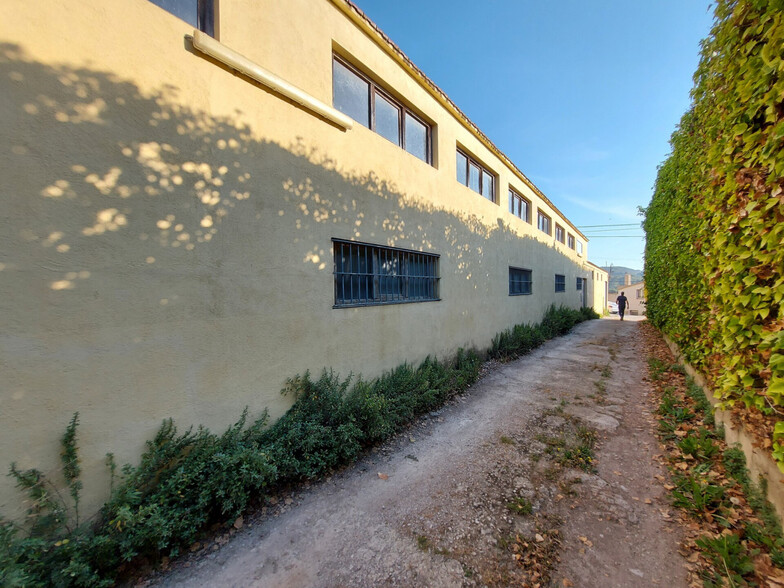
<point>715,226</point>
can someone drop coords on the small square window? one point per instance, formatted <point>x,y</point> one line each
<point>560,283</point>
<point>520,281</point>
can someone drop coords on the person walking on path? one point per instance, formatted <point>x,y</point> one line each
<point>621,301</point>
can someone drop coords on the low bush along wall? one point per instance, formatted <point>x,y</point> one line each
<point>185,481</point>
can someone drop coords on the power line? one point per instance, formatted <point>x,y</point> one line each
<point>614,229</point>
<point>598,226</point>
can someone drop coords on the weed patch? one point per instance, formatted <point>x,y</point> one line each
<point>735,531</point>
<point>521,506</point>
<point>523,338</point>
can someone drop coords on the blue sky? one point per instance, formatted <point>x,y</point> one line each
<point>581,95</point>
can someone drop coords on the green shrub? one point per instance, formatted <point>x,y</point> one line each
<point>523,338</point>
<point>186,481</point>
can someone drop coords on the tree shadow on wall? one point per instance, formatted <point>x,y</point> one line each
<point>107,188</point>
<point>130,219</point>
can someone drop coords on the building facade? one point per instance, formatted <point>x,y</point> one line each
<point>636,295</point>
<point>197,206</point>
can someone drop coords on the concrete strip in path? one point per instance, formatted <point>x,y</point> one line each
<point>439,518</point>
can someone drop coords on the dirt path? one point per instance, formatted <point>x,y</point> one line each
<point>487,491</point>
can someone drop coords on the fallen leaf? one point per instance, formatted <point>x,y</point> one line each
<point>383,476</point>
<point>238,523</point>
<point>669,487</point>
<point>648,501</point>
<point>538,538</point>
<point>587,541</point>
<point>567,583</point>
<point>617,473</point>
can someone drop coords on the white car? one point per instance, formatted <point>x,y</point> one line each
<point>612,307</point>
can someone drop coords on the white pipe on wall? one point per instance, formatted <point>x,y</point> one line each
<point>242,64</point>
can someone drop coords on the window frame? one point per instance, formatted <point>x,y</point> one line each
<point>515,195</point>
<point>375,89</point>
<point>522,272</point>
<point>560,230</point>
<point>483,171</point>
<point>540,214</point>
<point>205,15</point>
<point>376,282</point>
<point>560,283</point>
<point>570,241</point>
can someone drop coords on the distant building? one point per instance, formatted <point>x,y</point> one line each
<point>636,295</point>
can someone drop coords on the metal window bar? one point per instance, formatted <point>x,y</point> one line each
<point>368,274</point>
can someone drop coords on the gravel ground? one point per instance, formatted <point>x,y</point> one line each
<point>479,493</point>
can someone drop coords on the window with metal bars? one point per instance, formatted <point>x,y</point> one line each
<point>560,283</point>
<point>520,281</point>
<point>370,274</point>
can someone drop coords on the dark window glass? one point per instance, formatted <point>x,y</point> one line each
<point>387,119</point>
<point>520,281</point>
<point>544,223</point>
<point>197,13</point>
<point>473,176</point>
<point>560,283</point>
<point>462,168</point>
<point>570,241</point>
<point>416,137</point>
<point>487,186</point>
<point>369,274</point>
<point>476,177</point>
<point>350,93</point>
<point>579,283</point>
<point>519,206</point>
<point>559,233</point>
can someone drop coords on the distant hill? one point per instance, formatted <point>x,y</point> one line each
<point>617,273</point>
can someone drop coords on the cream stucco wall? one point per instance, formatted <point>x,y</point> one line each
<point>599,296</point>
<point>636,295</point>
<point>166,225</point>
